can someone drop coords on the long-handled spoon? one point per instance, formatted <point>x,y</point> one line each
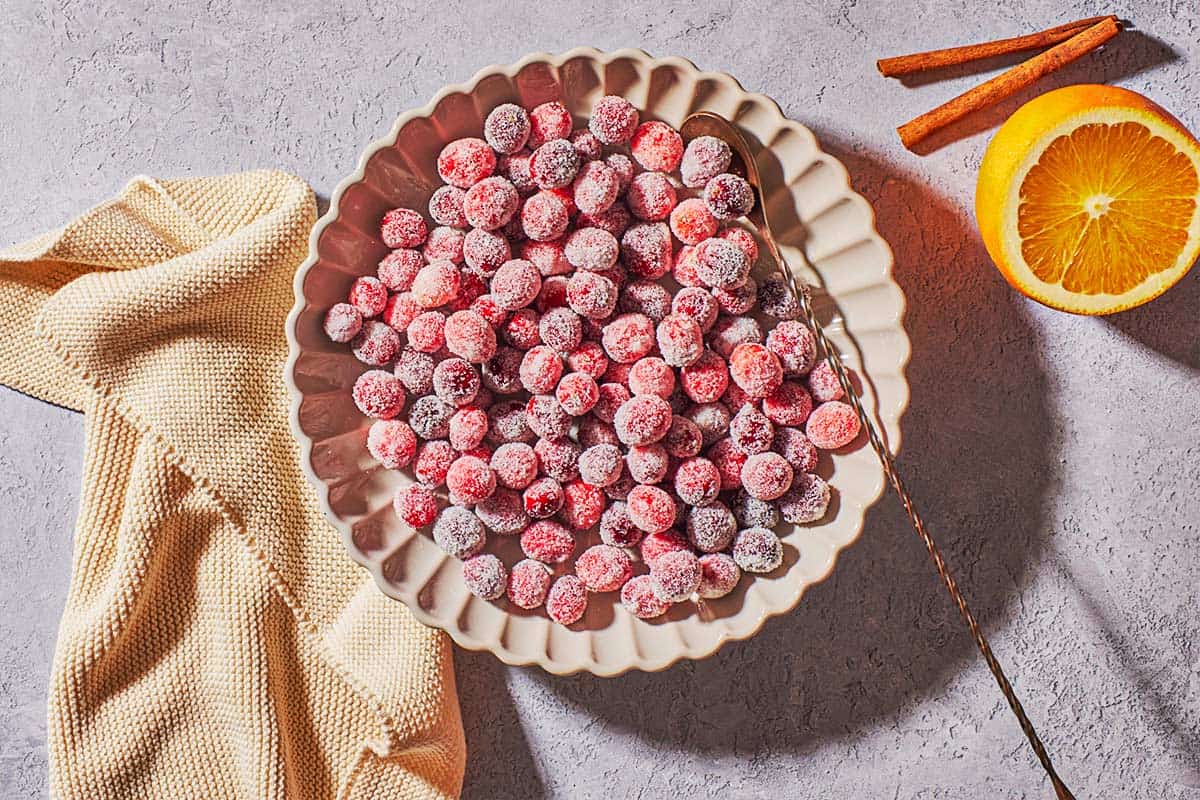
<point>706,123</point>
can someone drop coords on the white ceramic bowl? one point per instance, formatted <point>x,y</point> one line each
<point>822,222</point>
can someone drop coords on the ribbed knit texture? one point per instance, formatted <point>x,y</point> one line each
<point>217,642</point>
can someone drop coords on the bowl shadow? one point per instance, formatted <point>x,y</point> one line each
<point>880,634</point>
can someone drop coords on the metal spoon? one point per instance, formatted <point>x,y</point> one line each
<point>706,123</point>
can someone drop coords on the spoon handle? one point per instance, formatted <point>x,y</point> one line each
<point>939,563</point>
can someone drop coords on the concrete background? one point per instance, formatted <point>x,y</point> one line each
<point>1057,458</point>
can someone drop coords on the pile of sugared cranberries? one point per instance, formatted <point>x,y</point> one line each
<point>561,343</point>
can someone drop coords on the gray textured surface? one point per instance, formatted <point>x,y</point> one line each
<point>1057,458</point>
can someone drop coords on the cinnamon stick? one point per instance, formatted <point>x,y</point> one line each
<point>1008,83</point>
<point>952,56</point>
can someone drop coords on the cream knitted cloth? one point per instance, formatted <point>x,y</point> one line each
<point>216,642</point>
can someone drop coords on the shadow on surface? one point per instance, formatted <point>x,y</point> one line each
<point>499,761</point>
<point>881,633</point>
<point>1169,325</point>
<point>1131,53</point>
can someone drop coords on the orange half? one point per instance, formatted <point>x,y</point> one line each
<point>1089,199</point>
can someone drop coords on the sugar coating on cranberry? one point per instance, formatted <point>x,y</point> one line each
<point>615,219</point>
<point>468,427</point>
<point>728,196</point>
<point>402,227</point>
<point>540,370</point>
<point>549,121</point>
<point>628,338</point>
<point>515,284</point>
<point>491,203</point>
<point>680,340</point>
<point>415,505</point>
<point>543,498</point>
<point>755,369</point>
<point>776,299</point>
<point>832,425</point>
<point>375,344</point>
<point>433,459</point>
<point>600,465</point>
<point>577,393</point>
<point>528,583</point>
<point>520,330</point>
<point>436,284</point>
<point>652,375</point>
<point>790,404</point>
<point>616,528</point>
<point>392,443</point>
<point>586,145</point>
<point>546,417</point>
<point>705,379</point>
<point>515,465</point>
<point>705,158</point>
<point>656,146</point>
<point>711,527</point>
<point>506,128</point>
<point>684,268</point>
<point>751,430</point>
<point>604,568</point>
<point>459,532</point>
<point>544,216</point>
<point>795,347</point>
<point>550,260</point>
<point>368,295</point>
<point>548,542</point>
<point>807,500</point>
<point>721,264</point>
<point>485,250</point>
<point>624,167</point>
<point>429,417</point>
<point>415,371</point>
<point>470,479</point>
<point>792,444</point>
<point>683,439</point>
<point>485,576</point>
<point>501,373</point>
<point>647,463</point>
<point>342,322</point>
<point>646,250</point>
<point>486,307</point>
<point>455,381</point>
<point>593,431</point>
<point>465,162</point>
<point>737,300</point>
<point>643,420</point>
<point>757,550</point>
<point>639,598</point>
<point>469,336</point>
<point>595,187</point>
<point>645,297</point>
<point>610,397</point>
<point>719,575</point>
<point>766,476</point>
<point>711,418</point>
<point>750,512</point>
<point>697,481</point>
<point>567,600</point>
<point>729,332</point>
<point>823,383</point>
<point>561,329</point>
<point>614,120</point>
<point>444,244</point>
<point>656,544</point>
<point>729,462</point>
<point>589,359</point>
<point>582,505</point>
<point>743,239</point>
<point>650,196</point>
<point>697,304</point>
<point>554,164</point>
<point>675,576</point>
<point>503,512</point>
<point>651,509</point>
<point>446,206</point>
<point>591,295</point>
<point>692,222</point>
<point>507,423</point>
<point>516,168</point>
<point>591,249</point>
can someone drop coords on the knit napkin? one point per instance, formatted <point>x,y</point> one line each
<point>217,642</point>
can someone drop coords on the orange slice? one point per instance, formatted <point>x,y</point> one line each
<point>1088,199</point>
